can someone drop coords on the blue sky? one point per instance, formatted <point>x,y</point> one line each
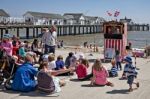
<point>138,10</point>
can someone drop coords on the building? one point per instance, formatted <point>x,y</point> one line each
<point>126,20</point>
<point>38,18</point>
<point>93,20</point>
<point>3,16</point>
<point>74,18</point>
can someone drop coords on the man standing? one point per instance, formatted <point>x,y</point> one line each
<point>49,38</point>
<point>53,39</point>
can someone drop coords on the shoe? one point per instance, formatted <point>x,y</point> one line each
<point>110,84</point>
<point>130,89</point>
<point>137,85</point>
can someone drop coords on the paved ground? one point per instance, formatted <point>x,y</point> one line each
<point>80,90</point>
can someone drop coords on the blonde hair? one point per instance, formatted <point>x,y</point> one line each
<point>113,62</point>
<point>60,57</point>
<point>98,65</point>
<point>51,57</point>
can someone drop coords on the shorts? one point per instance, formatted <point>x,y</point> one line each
<point>57,84</point>
<point>130,80</point>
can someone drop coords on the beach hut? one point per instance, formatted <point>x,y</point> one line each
<point>115,39</point>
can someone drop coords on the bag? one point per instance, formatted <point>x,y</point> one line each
<point>45,82</point>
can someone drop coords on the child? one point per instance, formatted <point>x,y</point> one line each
<point>100,74</point>
<point>46,80</point>
<point>130,72</point>
<point>51,63</point>
<point>60,63</point>
<point>81,70</point>
<point>118,60</point>
<point>22,52</point>
<point>114,71</point>
<point>68,58</point>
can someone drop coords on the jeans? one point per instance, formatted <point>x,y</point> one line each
<point>119,65</point>
<point>49,49</point>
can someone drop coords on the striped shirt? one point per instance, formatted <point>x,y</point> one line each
<point>114,71</point>
<point>130,70</point>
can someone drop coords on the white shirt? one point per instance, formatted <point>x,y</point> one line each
<point>51,65</point>
<point>49,38</point>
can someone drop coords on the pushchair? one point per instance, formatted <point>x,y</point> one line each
<point>7,66</point>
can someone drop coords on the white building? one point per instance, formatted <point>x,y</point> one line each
<point>38,18</point>
<point>74,18</point>
<point>3,16</point>
<point>93,20</point>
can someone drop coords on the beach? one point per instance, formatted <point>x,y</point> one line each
<point>81,90</point>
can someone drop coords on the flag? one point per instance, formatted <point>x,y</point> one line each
<point>116,14</point>
<point>110,14</point>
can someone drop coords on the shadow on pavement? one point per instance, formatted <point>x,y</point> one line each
<point>121,91</point>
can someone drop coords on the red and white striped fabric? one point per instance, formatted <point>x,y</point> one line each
<point>117,44</point>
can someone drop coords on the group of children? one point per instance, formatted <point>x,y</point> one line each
<point>49,68</point>
<point>99,74</point>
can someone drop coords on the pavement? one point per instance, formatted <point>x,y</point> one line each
<point>75,89</point>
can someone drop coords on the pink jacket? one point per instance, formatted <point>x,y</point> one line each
<point>100,76</point>
<point>8,47</point>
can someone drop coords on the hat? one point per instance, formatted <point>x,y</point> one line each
<point>6,36</point>
<point>22,44</point>
<point>128,59</point>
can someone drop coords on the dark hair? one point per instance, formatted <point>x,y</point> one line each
<point>70,54</point>
<point>35,42</point>
<point>42,65</point>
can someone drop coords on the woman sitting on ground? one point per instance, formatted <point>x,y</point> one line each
<point>100,74</point>
<point>47,81</point>
<point>35,49</point>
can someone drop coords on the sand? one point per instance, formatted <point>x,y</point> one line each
<point>80,89</point>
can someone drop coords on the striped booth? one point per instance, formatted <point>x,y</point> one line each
<point>115,39</point>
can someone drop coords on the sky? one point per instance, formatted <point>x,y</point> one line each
<point>137,10</point>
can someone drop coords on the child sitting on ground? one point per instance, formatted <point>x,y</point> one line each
<point>100,75</point>
<point>114,71</point>
<point>81,70</point>
<point>60,65</point>
<point>51,62</point>
<point>130,72</point>
<point>47,82</point>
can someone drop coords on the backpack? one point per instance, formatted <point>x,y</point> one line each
<point>45,82</point>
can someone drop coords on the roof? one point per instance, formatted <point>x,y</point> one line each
<point>90,18</point>
<point>3,13</point>
<point>125,20</point>
<point>45,15</point>
<point>75,16</point>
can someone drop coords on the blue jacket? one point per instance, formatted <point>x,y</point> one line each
<point>24,78</point>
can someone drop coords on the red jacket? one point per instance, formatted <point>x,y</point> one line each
<point>81,71</point>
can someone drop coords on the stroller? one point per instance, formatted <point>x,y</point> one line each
<point>7,66</point>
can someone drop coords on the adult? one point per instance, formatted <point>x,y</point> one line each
<point>49,39</point>
<point>7,45</point>
<point>24,77</point>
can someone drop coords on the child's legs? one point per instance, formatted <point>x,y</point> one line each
<point>87,77</point>
<point>117,65</point>
<point>130,81</point>
<point>120,65</point>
